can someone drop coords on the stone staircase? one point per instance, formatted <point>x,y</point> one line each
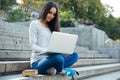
<point>15,56</point>
<point>88,65</point>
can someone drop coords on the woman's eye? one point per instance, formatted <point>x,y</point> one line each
<point>52,13</point>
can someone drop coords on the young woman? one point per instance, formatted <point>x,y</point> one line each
<point>39,35</point>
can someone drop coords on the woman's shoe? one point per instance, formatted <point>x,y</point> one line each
<point>69,72</point>
<point>51,71</point>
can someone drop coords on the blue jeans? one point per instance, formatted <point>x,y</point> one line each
<point>55,60</point>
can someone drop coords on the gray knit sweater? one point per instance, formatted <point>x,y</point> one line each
<point>39,37</point>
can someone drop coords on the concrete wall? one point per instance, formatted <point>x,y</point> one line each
<point>113,52</point>
<point>88,36</point>
<point>109,43</point>
<point>98,38</point>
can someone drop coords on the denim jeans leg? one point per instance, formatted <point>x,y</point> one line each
<point>42,65</point>
<point>56,61</point>
<point>59,62</point>
<point>70,60</point>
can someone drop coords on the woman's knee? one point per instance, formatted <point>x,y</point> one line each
<point>75,56</point>
<point>59,59</point>
<point>59,62</point>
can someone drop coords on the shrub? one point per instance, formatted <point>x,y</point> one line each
<point>66,17</point>
<point>17,15</point>
<point>67,23</point>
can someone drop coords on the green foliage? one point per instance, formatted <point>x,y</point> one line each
<point>67,23</point>
<point>13,15</point>
<point>35,3</point>
<point>110,26</point>
<point>95,11</point>
<point>5,4</point>
<point>66,15</point>
<point>66,19</point>
<point>17,15</point>
<point>116,29</point>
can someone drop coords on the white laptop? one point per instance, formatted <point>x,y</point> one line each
<point>62,43</point>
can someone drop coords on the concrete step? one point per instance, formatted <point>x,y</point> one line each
<point>17,66</point>
<point>38,77</point>
<point>15,46</point>
<point>83,71</point>
<point>6,55</point>
<point>10,27</point>
<point>88,62</point>
<point>96,70</point>
<point>7,67</point>
<point>11,55</point>
<point>93,56</point>
<point>82,49</point>
<point>108,76</point>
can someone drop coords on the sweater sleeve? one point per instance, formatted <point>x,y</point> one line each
<point>33,39</point>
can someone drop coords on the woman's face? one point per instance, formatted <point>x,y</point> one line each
<point>51,14</point>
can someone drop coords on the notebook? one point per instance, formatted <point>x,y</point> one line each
<point>62,43</point>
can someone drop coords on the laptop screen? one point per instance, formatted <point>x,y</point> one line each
<point>62,43</point>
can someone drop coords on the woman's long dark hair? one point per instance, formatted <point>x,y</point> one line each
<point>54,25</point>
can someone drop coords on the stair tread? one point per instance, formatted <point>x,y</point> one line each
<point>1,62</point>
<point>38,77</point>
<point>8,62</point>
<point>108,76</point>
<point>96,67</point>
<point>20,77</point>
